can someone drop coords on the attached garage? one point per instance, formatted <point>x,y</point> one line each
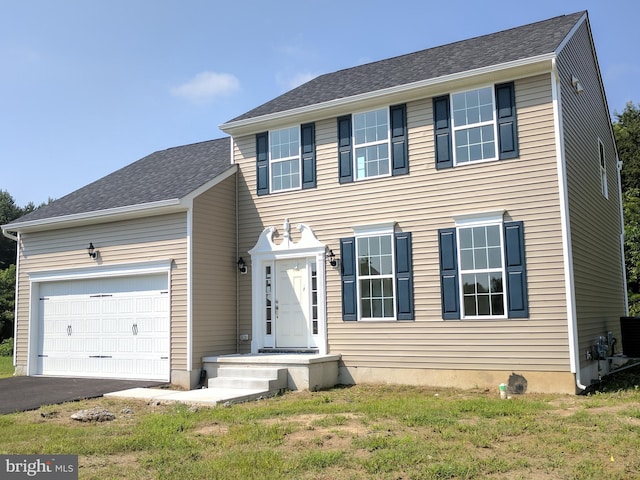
<point>110,327</point>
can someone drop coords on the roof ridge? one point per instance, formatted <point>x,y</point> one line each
<point>444,45</point>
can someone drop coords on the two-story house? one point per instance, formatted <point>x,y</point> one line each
<point>448,217</point>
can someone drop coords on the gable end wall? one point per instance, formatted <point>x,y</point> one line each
<point>594,220</point>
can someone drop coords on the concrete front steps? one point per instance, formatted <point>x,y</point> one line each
<point>249,383</point>
<point>301,371</point>
<point>242,378</point>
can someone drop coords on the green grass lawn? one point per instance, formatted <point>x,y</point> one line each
<point>6,367</point>
<point>360,432</point>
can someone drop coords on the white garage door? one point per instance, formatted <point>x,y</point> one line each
<point>109,328</point>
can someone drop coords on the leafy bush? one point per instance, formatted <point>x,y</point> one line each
<point>6,348</point>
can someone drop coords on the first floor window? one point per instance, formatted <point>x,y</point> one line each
<point>483,271</point>
<point>377,276</point>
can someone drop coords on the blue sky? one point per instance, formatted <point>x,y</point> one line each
<point>87,87</point>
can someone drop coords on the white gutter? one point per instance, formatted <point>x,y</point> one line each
<point>92,217</point>
<point>570,293</point>
<point>237,127</point>
<point>9,235</point>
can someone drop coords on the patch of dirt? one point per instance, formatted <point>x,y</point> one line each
<point>210,430</point>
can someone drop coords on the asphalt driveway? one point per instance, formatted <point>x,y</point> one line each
<point>18,394</point>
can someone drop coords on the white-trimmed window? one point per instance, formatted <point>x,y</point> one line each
<point>371,142</point>
<point>480,254</point>
<point>376,277</point>
<point>603,169</point>
<point>474,125</point>
<point>284,159</point>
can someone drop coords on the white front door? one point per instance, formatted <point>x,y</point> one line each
<point>292,305</point>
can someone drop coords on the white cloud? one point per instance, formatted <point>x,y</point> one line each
<point>205,86</point>
<point>295,81</point>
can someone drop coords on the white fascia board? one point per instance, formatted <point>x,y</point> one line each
<point>515,69</point>
<point>99,216</point>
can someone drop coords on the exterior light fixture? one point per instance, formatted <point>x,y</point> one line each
<point>576,84</point>
<point>333,261</point>
<point>92,251</point>
<point>242,267</point>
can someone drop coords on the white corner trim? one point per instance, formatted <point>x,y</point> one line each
<point>494,216</point>
<point>570,294</point>
<point>119,270</point>
<point>374,228</point>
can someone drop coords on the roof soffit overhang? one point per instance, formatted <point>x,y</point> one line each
<point>128,212</point>
<point>98,216</point>
<point>400,93</point>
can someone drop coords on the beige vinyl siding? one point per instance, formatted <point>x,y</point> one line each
<point>423,202</point>
<point>119,243</point>
<point>214,268</point>
<point>594,220</point>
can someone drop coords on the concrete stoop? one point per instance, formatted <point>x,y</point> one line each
<point>267,379</point>
<point>242,378</point>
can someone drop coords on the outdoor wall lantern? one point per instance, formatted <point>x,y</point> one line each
<point>92,251</point>
<point>242,267</point>
<point>333,261</point>
<point>576,84</point>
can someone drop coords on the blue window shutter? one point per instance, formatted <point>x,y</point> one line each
<point>442,132</point>
<point>345,162</point>
<point>349,287</point>
<point>399,148</point>
<point>507,126</point>
<point>404,277</point>
<point>262,163</point>
<point>449,274</point>
<point>517,302</point>
<point>308,135</point>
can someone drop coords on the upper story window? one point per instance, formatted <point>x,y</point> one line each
<point>286,159</point>
<point>371,141</point>
<point>475,125</point>
<point>603,169</point>
<point>373,144</point>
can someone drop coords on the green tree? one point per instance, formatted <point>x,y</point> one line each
<point>7,301</point>
<point>626,129</point>
<point>9,211</point>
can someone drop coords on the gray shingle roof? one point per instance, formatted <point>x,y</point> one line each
<point>164,175</point>
<point>506,46</point>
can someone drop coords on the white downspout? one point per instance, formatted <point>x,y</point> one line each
<point>9,235</point>
<point>570,294</point>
